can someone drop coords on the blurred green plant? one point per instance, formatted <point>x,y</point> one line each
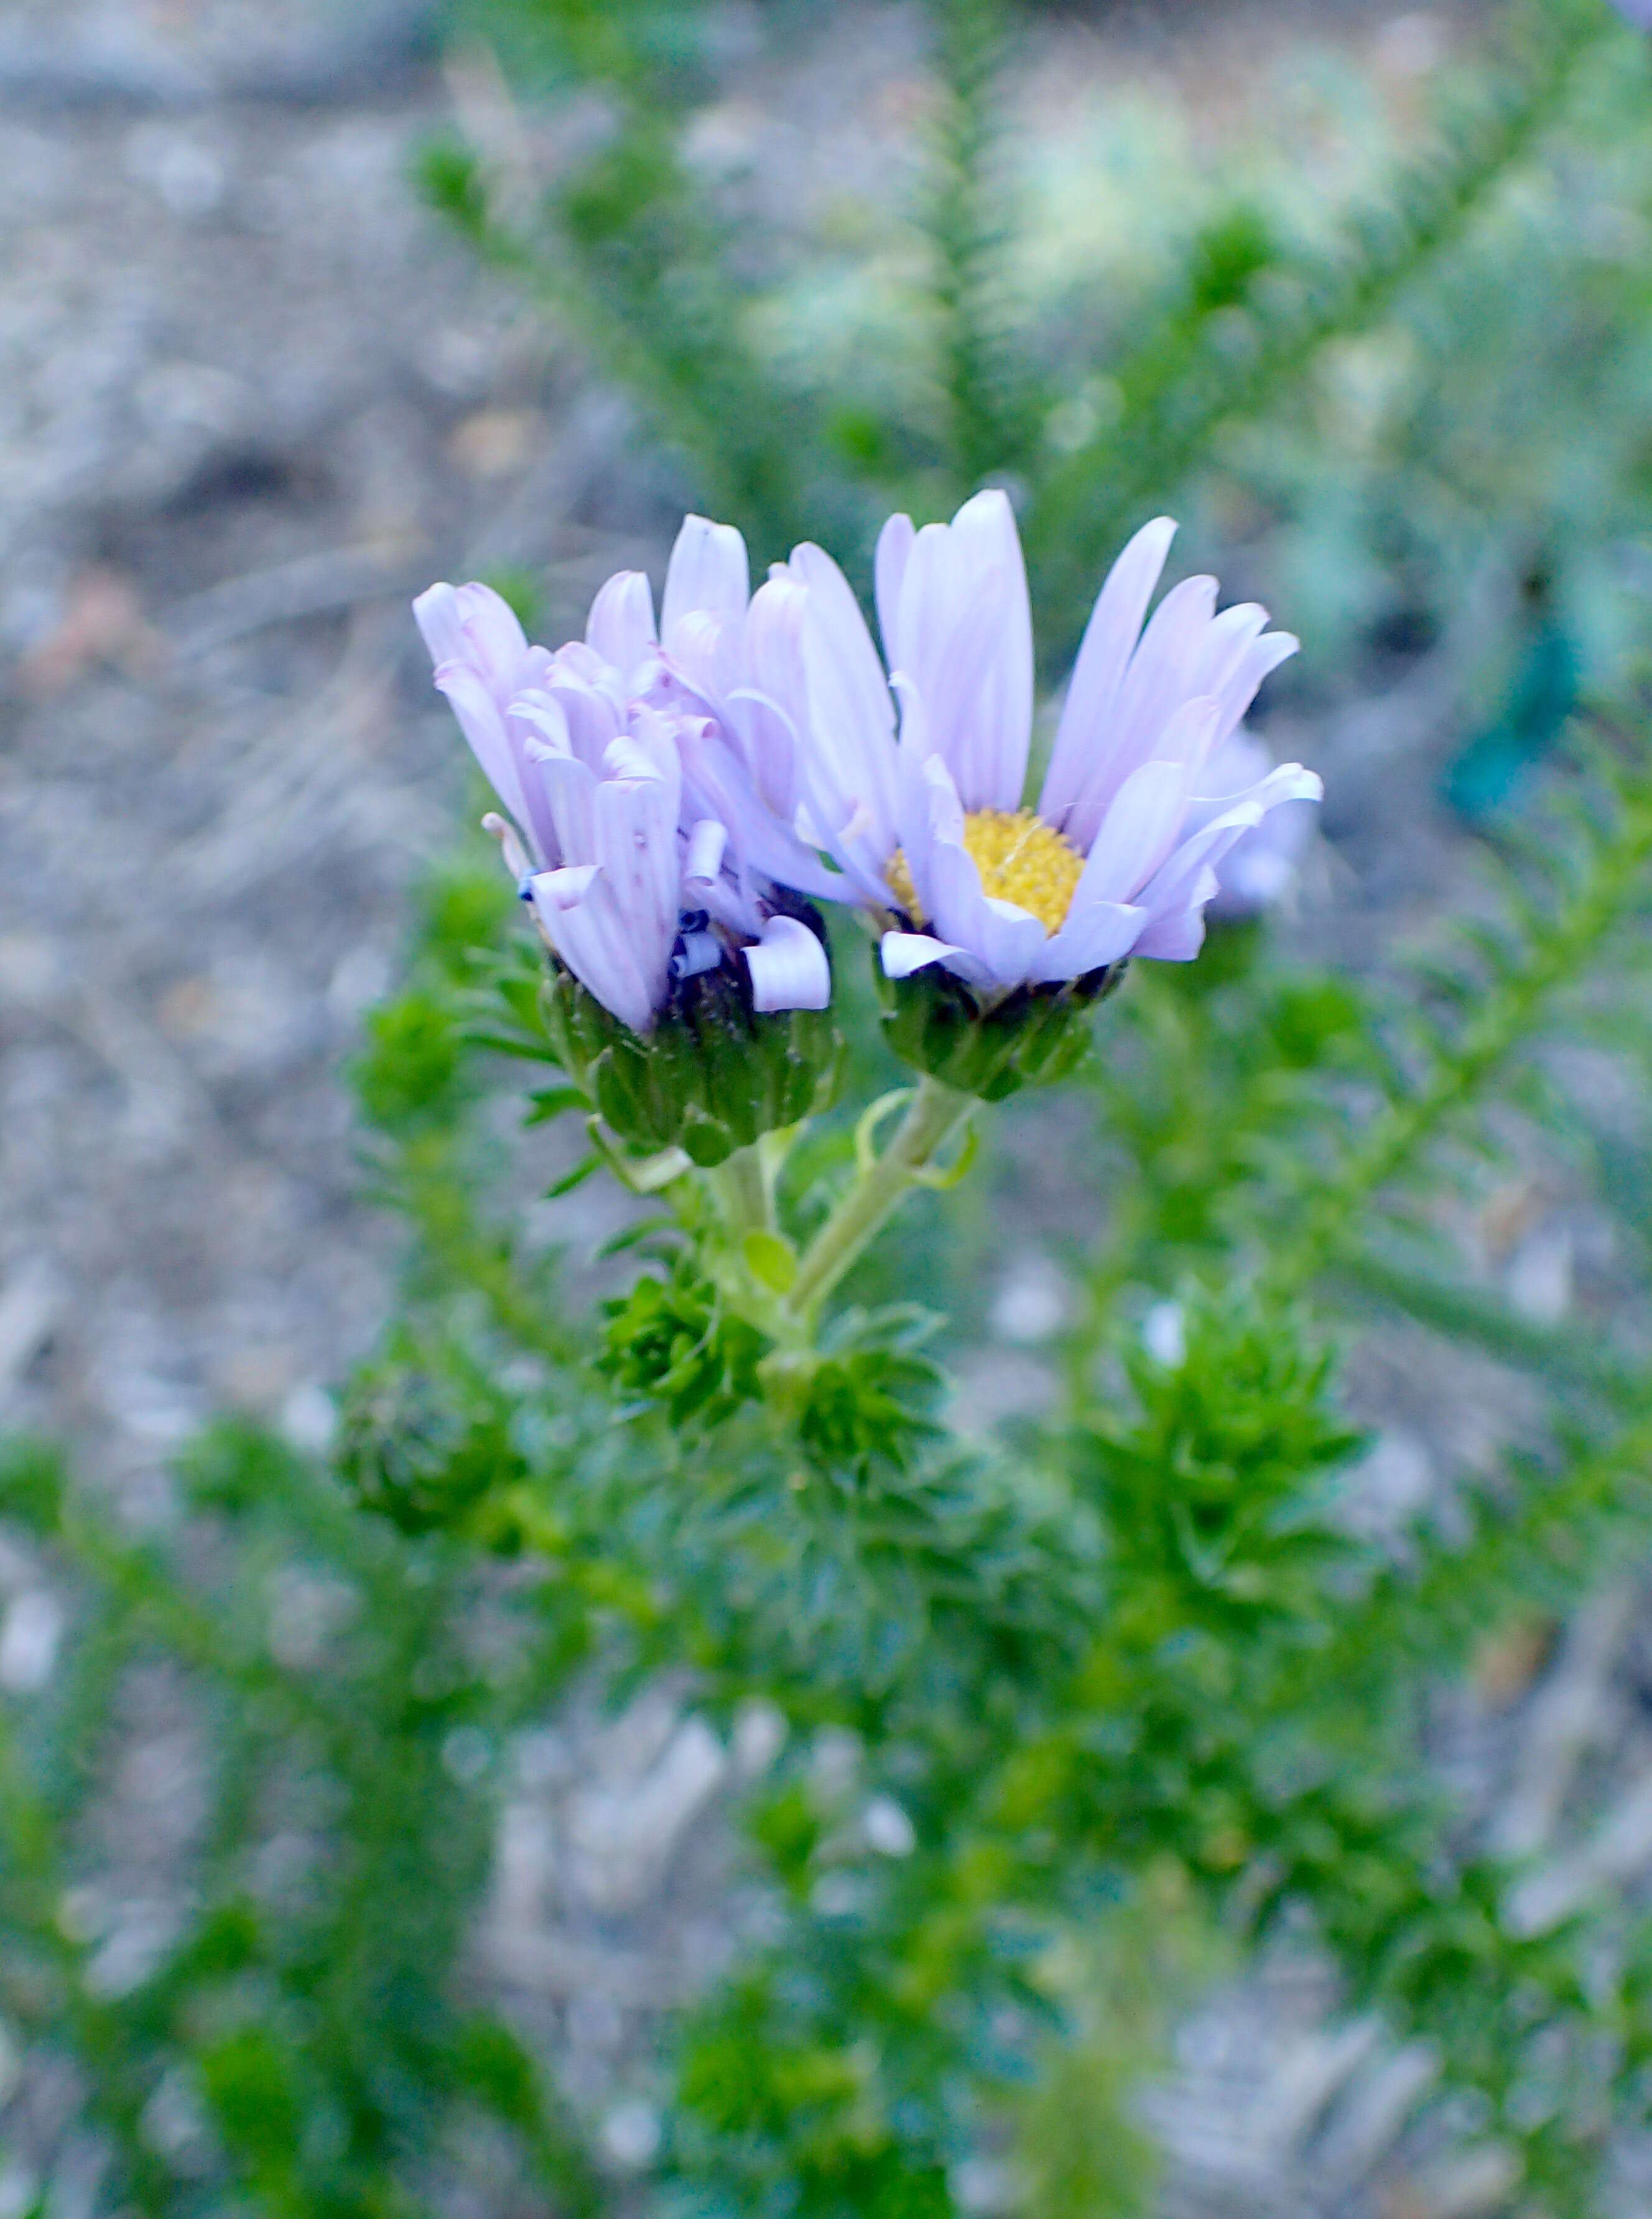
<point>287,2030</point>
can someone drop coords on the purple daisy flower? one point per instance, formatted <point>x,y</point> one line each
<point>929,827</point>
<point>632,884</point>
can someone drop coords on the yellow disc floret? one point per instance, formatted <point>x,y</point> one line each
<point>1021,858</point>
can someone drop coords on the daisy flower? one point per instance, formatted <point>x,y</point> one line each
<point>925,815</point>
<point>635,886</point>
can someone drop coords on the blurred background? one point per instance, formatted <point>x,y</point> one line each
<point>278,346</point>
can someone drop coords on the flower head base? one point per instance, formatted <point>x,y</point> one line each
<point>1031,1037</point>
<point>713,1077</point>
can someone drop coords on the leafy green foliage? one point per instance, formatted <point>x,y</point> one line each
<point>293,2036</point>
<point>1203,1492</point>
<point>671,1340</point>
<point>425,1439</point>
<point>863,1410</point>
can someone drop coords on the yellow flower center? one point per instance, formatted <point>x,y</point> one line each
<point>1021,858</point>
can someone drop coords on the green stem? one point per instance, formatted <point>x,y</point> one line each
<point>934,1113</point>
<point>745,1192</point>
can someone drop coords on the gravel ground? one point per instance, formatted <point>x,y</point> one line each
<point>250,398</point>
<point>253,399</point>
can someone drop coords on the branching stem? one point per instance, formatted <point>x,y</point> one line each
<point>935,1113</point>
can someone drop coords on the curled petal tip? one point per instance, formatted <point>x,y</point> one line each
<point>515,855</point>
<point>788,967</point>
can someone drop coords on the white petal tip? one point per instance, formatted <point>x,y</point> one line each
<point>905,953</point>
<point>560,891</point>
<point>789,969</point>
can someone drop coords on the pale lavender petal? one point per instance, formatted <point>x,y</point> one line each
<point>586,927</point>
<point>718,784</point>
<point>904,953</point>
<point>842,635</point>
<point>538,732</point>
<point>495,642</point>
<point>1233,767</point>
<point>1177,936</point>
<point>767,740</point>
<point>851,726</point>
<point>1193,866</point>
<point>1169,652</point>
<point>845,771</point>
<point>482,724</point>
<point>1240,686</point>
<point>1189,736</point>
<point>590,717</point>
<point>630,757</point>
<point>984,748</point>
<point>620,627</point>
<point>998,934</point>
<point>1002,728</point>
<point>922,620</point>
<point>705,657</point>
<point>930,808</point>
<point>563,889</point>
<point>773,642</point>
<point>894,548</point>
<point>703,858</point>
<point>570,790</point>
<point>1261,867</point>
<point>1155,687</point>
<point>580,660</point>
<point>1101,933</point>
<point>789,969</point>
<point>1227,636</point>
<point>1138,830</point>
<point>962,629</point>
<point>733,902</point>
<point>1261,864</point>
<point>539,816</point>
<point>440,623</point>
<point>708,572</point>
<point>1086,733</point>
<point>656,739</point>
<point>636,845</point>
<point>538,715</point>
<point>926,799</point>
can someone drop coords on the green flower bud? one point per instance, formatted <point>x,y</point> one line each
<point>424,1442</point>
<point>672,1341</point>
